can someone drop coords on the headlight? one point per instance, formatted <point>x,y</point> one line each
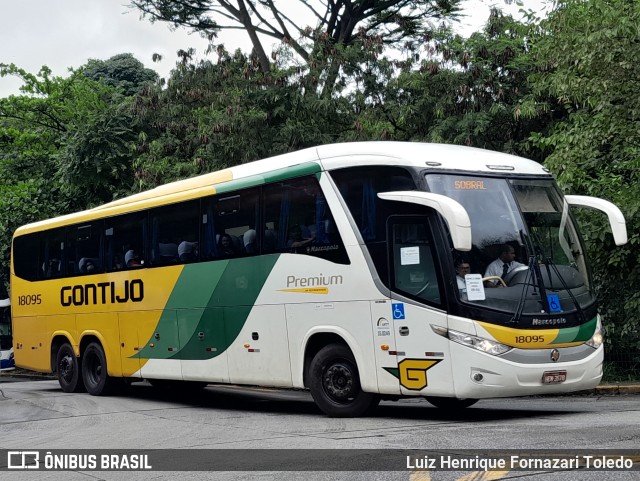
<point>597,338</point>
<point>485,345</point>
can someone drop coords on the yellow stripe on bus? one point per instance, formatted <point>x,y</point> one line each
<point>525,338</point>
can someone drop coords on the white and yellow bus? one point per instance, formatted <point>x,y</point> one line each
<point>332,268</point>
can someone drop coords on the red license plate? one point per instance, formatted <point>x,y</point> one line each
<point>554,377</point>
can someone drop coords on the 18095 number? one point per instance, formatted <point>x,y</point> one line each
<point>529,339</point>
<point>30,300</point>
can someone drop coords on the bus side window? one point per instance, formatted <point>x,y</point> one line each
<point>173,226</point>
<point>413,262</point>
<point>298,220</point>
<point>229,225</point>
<point>53,255</point>
<point>28,260</point>
<point>124,233</point>
<point>83,248</point>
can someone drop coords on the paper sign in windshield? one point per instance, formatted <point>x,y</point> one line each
<point>475,288</point>
<point>409,255</point>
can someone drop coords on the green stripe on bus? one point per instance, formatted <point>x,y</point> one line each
<point>275,176</point>
<point>576,334</point>
<point>208,308</point>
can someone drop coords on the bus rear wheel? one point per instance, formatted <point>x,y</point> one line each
<point>335,383</point>
<point>450,403</point>
<point>94,371</point>
<point>68,369</point>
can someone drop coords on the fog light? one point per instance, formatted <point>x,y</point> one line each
<point>477,377</point>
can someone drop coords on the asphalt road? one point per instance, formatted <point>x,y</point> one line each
<point>37,415</point>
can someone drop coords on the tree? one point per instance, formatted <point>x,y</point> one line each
<point>336,24</point>
<point>68,132</point>
<point>215,115</point>
<point>122,71</point>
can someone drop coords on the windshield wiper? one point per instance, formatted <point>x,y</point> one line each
<point>533,271</point>
<point>550,265</point>
<point>523,295</point>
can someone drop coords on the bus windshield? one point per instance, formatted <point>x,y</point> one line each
<point>525,244</point>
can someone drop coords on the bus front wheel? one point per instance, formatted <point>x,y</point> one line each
<point>94,371</point>
<point>68,369</point>
<point>335,383</point>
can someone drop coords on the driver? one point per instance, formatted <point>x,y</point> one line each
<point>504,264</point>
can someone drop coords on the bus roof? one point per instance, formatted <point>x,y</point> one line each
<point>325,157</point>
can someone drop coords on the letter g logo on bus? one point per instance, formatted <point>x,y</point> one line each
<point>412,373</point>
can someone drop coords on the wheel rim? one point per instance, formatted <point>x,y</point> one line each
<point>339,382</point>
<point>93,369</point>
<point>65,367</point>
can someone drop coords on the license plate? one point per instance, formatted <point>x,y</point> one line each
<point>554,377</point>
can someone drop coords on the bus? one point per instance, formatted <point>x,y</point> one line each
<point>6,340</point>
<point>331,268</point>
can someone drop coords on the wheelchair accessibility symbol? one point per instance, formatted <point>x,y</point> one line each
<point>397,311</point>
<point>554,303</point>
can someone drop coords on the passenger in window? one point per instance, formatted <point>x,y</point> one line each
<point>225,246</point>
<point>462,269</point>
<point>297,240</point>
<point>131,259</point>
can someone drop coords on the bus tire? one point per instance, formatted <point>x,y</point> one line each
<point>450,403</point>
<point>335,383</point>
<point>68,369</point>
<point>94,371</point>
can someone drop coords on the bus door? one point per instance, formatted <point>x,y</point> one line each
<point>417,303</point>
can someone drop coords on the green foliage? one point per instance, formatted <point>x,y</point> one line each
<point>122,71</point>
<point>589,77</point>
<point>20,203</point>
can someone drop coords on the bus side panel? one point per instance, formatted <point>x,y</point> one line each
<point>128,333</point>
<point>161,346</point>
<point>260,353</point>
<point>104,326</point>
<point>350,320</point>
<point>203,346</point>
<point>32,343</point>
<point>136,328</point>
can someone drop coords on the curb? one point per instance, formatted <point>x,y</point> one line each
<point>613,389</point>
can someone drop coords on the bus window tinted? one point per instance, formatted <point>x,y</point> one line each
<point>84,248</point>
<point>174,233</point>
<point>229,225</point>
<point>125,240</point>
<point>52,255</point>
<point>298,220</point>
<point>25,257</point>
